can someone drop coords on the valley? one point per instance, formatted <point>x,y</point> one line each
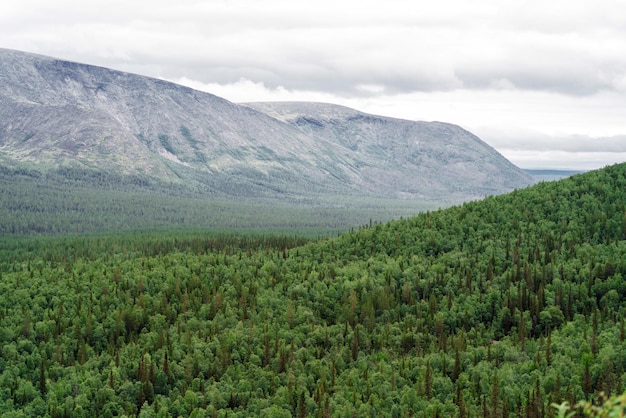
<point>165,252</point>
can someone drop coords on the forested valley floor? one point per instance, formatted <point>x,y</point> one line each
<point>66,200</point>
<point>496,308</point>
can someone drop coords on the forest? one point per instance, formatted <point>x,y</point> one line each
<point>505,307</point>
<point>75,201</point>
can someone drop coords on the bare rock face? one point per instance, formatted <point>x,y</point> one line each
<point>59,113</point>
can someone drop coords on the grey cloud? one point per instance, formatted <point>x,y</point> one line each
<point>573,47</point>
<point>530,149</point>
<point>405,61</point>
<point>581,143</point>
<point>519,139</point>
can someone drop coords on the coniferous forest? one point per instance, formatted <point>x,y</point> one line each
<point>495,308</point>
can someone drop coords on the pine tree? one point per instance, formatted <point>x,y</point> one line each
<point>456,371</point>
<point>355,344</point>
<point>587,387</point>
<point>495,397</point>
<point>522,332</point>
<point>302,406</point>
<point>42,377</point>
<point>459,402</point>
<point>428,381</point>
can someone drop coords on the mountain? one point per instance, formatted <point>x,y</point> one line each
<point>56,113</point>
<point>550,175</point>
<point>416,159</point>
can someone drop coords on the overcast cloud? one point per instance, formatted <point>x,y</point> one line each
<point>543,78</point>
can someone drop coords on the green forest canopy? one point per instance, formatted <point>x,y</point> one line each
<point>67,200</point>
<point>495,308</point>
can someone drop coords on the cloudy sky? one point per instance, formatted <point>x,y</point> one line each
<point>542,81</point>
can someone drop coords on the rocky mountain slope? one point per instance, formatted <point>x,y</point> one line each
<point>58,113</point>
<point>416,159</point>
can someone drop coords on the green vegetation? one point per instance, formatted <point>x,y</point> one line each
<point>497,308</point>
<point>613,407</point>
<point>165,142</point>
<point>77,201</point>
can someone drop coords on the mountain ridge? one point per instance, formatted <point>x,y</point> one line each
<point>419,146</point>
<point>55,112</point>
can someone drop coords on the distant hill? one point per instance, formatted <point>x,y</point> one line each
<point>56,113</point>
<point>550,175</point>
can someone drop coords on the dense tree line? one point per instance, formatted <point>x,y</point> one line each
<point>79,201</point>
<point>496,308</point>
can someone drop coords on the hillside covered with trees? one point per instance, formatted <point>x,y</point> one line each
<point>495,308</point>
